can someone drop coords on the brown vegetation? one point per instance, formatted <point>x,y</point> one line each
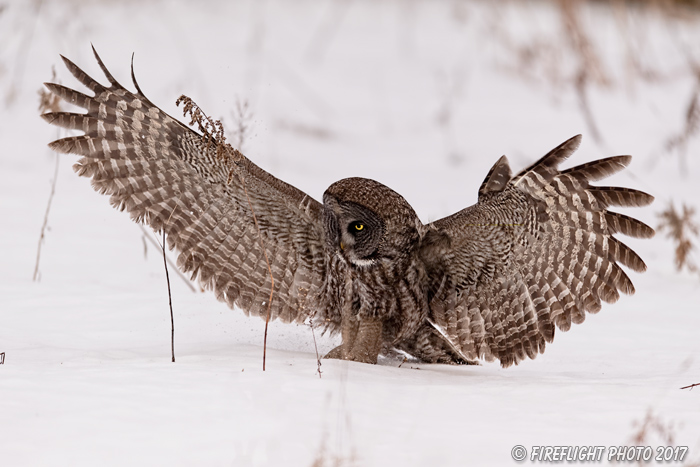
<point>680,227</point>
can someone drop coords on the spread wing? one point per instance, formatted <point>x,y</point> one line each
<point>169,176</point>
<point>536,251</point>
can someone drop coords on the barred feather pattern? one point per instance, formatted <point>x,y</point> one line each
<point>394,292</point>
<point>391,285</point>
<point>493,281</point>
<point>169,177</point>
<point>534,254</point>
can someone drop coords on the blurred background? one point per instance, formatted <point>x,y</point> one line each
<point>420,95</point>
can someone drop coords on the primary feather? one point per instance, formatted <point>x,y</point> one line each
<point>167,175</point>
<point>534,255</point>
<point>494,280</point>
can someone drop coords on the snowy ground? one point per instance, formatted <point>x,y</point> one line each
<point>421,96</point>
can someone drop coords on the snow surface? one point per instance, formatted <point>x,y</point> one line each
<point>421,96</point>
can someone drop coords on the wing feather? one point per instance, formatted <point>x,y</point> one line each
<point>164,174</point>
<point>534,254</point>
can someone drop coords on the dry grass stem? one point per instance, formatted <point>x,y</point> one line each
<point>48,102</point>
<point>44,225</point>
<point>269,270</point>
<point>156,244</point>
<point>653,429</point>
<point>243,119</point>
<point>215,139</point>
<point>683,230</point>
<point>170,300</point>
<point>589,60</point>
<point>691,126</point>
<point>318,358</point>
<point>581,85</point>
<point>213,133</point>
<point>324,459</point>
<point>590,67</point>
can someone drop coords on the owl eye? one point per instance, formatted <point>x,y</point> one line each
<point>357,226</point>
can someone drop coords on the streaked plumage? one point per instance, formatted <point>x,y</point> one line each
<point>491,281</point>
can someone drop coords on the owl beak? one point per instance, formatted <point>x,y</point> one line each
<point>342,246</point>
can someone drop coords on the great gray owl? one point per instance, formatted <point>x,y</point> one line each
<point>491,281</point>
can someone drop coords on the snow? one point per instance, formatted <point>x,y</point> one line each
<point>422,96</point>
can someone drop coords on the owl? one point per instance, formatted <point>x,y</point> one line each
<point>492,281</point>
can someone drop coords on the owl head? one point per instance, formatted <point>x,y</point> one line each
<point>366,221</point>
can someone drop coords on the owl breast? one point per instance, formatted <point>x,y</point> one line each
<point>393,291</point>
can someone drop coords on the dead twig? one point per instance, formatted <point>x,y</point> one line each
<point>48,102</point>
<point>170,299</point>
<point>170,262</point>
<point>580,41</point>
<point>682,229</point>
<point>2,358</point>
<point>35,277</point>
<point>690,386</point>
<point>243,118</point>
<point>653,428</point>
<point>318,359</point>
<point>581,85</point>
<point>691,127</point>
<point>170,302</point>
<point>590,66</point>
<point>214,138</point>
<point>269,270</point>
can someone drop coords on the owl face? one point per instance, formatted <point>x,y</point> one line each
<point>353,231</point>
<point>366,222</point>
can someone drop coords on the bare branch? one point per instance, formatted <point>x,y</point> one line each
<point>35,277</point>
<point>269,270</point>
<point>157,245</point>
<point>48,102</point>
<point>170,300</point>
<point>318,359</point>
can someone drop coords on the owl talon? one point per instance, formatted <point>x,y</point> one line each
<point>361,341</point>
<point>336,353</point>
<point>355,355</point>
<point>534,254</point>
